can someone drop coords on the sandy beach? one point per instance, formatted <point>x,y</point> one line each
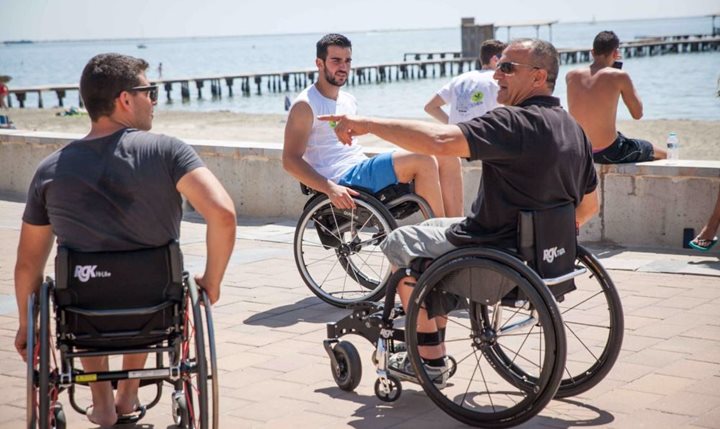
<point>698,139</point>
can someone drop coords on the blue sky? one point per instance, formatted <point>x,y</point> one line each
<point>100,19</point>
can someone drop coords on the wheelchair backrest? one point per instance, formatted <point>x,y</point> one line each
<point>112,280</point>
<point>547,241</point>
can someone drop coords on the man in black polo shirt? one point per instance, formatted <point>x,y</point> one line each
<point>535,156</point>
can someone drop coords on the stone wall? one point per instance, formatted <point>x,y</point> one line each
<point>648,204</point>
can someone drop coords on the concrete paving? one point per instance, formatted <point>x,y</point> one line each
<point>274,372</point>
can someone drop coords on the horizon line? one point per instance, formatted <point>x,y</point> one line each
<point>227,36</point>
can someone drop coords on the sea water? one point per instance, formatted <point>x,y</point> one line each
<point>674,86</point>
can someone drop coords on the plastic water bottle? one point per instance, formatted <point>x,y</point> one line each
<point>673,147</point>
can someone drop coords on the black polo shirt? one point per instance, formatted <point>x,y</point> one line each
<point>535,156</point>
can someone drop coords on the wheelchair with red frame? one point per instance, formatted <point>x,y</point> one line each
<point>118,303</point>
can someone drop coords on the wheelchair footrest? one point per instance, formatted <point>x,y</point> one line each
<point>365,320</point>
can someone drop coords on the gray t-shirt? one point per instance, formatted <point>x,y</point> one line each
<point>112,193</point>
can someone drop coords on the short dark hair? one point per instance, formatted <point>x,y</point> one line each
<point>489,49</point>
<point>104,77</point>
<point>543,55</point>
<point>332,39</point>
<point>605,43</point>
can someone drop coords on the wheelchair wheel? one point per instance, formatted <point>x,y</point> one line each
<point>59,417</point>
<point>40,395</point>
<point>198,359</point>
<point>348,372</point>
<point>593,341</point>
<point>391,393</point>
<point>337,251</point>
<point>478,290</point>
<point>594,337</point>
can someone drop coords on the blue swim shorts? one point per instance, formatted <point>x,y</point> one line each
<point>373,174</point>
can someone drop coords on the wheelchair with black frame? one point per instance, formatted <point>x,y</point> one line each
<point>336,250</point>
<point>119,303</point>
<point>521,326</point>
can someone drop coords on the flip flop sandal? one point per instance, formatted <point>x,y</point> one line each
<point>123,419</point>
<point>695,244</point>
<point>132,417</point>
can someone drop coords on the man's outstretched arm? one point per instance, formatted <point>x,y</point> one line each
<point>32,254</point>
<point>414,136</point>
<point>210,199</point>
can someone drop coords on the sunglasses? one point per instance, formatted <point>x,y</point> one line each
<point>508,67</point>
<point>152,91</point>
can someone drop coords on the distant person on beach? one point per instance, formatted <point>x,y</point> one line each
<point>4,92</point>
<point>118,188</point>
<point>160,70</point>
<point>470,95</point>
<point>593,93</point>
<point>535,157</point>
<point>314,156</point>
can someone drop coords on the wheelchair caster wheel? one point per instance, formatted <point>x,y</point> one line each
<point>348,371</point>
<point>60,422</point>
<point>180,412</point>
<point>390,392</point>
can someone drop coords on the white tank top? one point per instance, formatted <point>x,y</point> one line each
<point>324,152</point>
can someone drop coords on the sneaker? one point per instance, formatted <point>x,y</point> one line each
<point>399,365</point>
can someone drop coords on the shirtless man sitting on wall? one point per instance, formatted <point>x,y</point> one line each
<point>593,94</point>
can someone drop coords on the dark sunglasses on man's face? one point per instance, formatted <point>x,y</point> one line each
<point>508,67</point>
<point>152,91</point>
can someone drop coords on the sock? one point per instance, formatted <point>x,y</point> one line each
<point>439,362</point>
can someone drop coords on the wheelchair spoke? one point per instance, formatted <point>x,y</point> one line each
<point>582,343</point>
<point>330,271</point>
<point>327,229</point>
<point>581,303</point>
<point>517,354</point>
<point>590,325</point>
<point>325,258</point>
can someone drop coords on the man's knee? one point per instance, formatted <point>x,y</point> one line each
<point>415,164</point>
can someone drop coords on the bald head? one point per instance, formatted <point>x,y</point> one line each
<point>543,55</point>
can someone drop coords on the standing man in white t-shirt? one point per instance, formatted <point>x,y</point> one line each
<point>470,95</point>
<point>313,155</point>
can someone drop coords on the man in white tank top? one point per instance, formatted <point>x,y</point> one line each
<point>469,95</point>
<point>313,155</point>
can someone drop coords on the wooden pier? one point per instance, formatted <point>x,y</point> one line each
<point>436,64</point>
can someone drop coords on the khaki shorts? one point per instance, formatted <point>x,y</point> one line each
<point>425,240</point>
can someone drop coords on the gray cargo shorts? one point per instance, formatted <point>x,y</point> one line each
<point>425,240</point>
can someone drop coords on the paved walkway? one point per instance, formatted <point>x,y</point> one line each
<point>275,373</point>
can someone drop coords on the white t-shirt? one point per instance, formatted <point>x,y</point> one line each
<point>324,152</point>
<point>470,95</point>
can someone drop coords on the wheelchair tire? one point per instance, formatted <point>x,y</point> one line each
<point>38,361</point>
<point>348,372</point>
<point>180,411</point>
<point>479,393</point>
<point>59,417</point>
<point>336,251</point>
<point>32,373</point>
<point>599,290</point>
<point>194,362</point>
<point>593,344</point>
<point>395,389</point>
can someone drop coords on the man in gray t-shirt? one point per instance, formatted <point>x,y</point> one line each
<point>119,188</point>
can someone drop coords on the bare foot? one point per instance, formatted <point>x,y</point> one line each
<point>102,418</point>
